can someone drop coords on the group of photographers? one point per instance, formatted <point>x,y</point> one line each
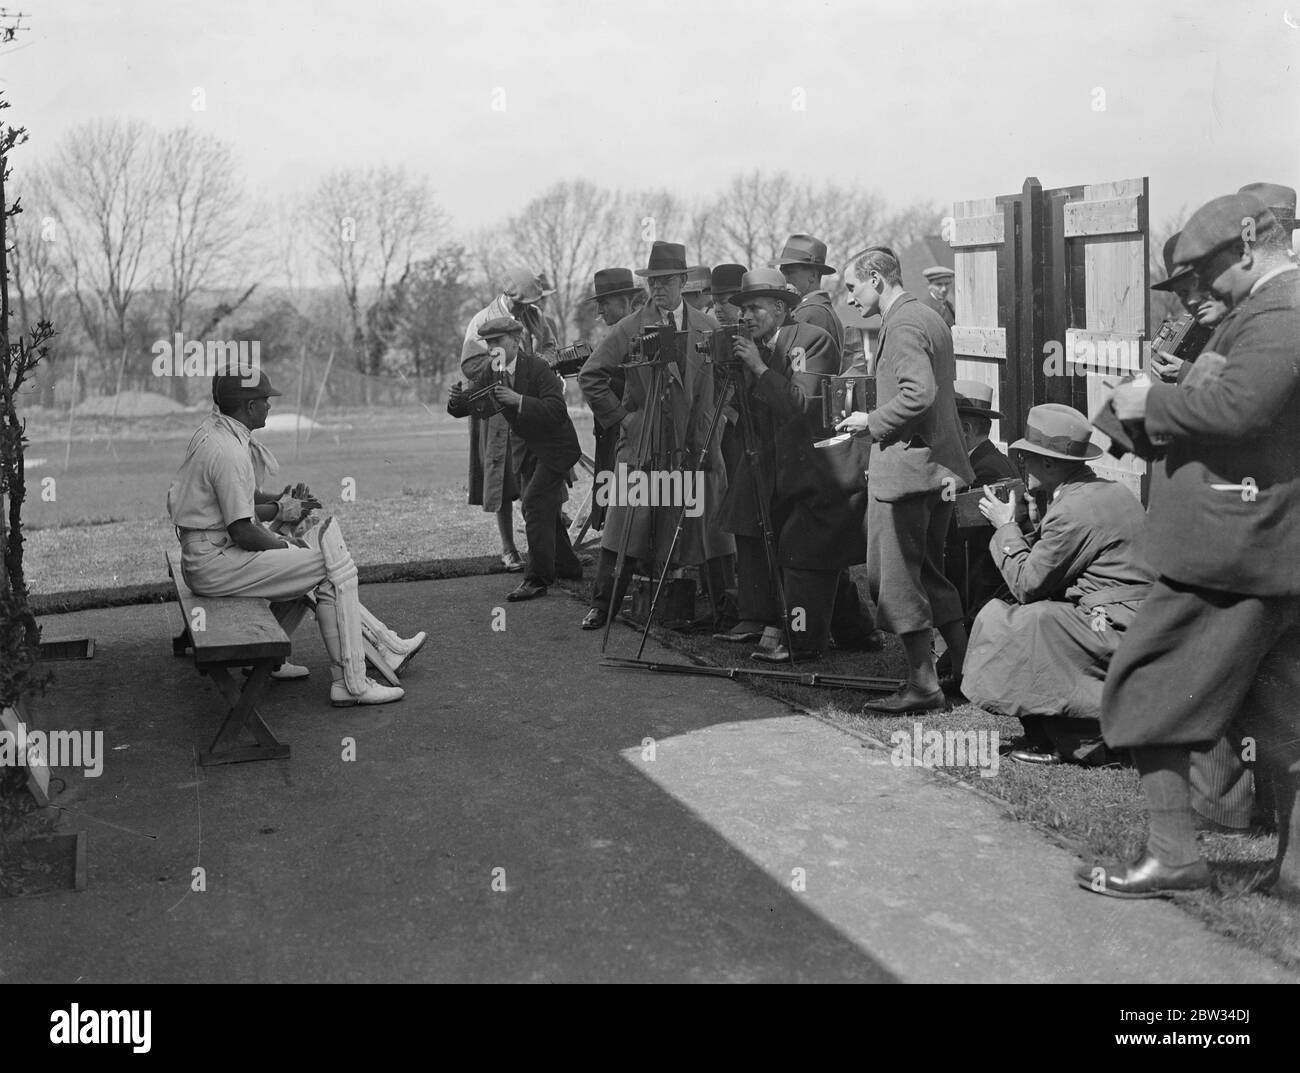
<point>1104,605</point>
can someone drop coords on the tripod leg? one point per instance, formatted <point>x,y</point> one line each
<point>681,514</point>
<point>650,414</point>
<point>765,520</point>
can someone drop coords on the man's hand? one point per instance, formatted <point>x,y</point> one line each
<point>747,351</point>
<point>1130,399</point>
<point>855,422</point>
<point>997,512</point>
<point>506,396</point>
<point>1031,507</point>
<point>1166,366</point>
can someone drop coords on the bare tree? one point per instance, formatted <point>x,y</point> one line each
<point>35,274</point>
<point>202,221</point>
<point>106,177</point>
<point>566,232</point>
<point>365,228</point>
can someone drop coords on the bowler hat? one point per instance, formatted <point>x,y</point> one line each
<point>697,280</point>
<point>1058,431</point>
<point>522,286</point>
<point>666,259</point>
<point>765,283</point>
<point>975,399</point>
<point>1220,223</point>
<point>244,384</point>
<point>1174,276</point>
<point>1281,199</point>
<point>937,272</point>
<point>725,279</point>
<point>499,326</point>
<point>544,282</point>
<point>608,282</point>
<point>804,250</point>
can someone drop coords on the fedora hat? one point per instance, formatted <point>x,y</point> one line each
<point>1281,199</point>
<point>975,399</point>
<point>544,282</point>
<point>1174,276</point>
<point>725,279</point>
<point>666,259</point>
<point>1058,431</point>
<point>765,283</point>
<point>609,282</point>
<point>522,286</point>
<point>697,280</point>
<point>806,251</point>
<point>937,272</point>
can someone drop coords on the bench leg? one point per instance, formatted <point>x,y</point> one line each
<point>181,643</point>
<point>225,748</point>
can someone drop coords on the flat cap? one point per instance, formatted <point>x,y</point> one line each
<point>242,384</point>
<point>499,326</point>
<point>1220,223</point>
<point>725,278</point>
<point>937,272</point>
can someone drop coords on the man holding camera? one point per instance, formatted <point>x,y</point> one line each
<point>918,463</point>
<point>1220,633</point>
<point>680,391</point>
<point>1077,580</point>
<point>530,397</point>
<point>816,522</point>
<point>493,485</point>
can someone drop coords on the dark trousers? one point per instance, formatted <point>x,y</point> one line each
<point>756,602</point>
<point>605,594</point>
<point>548,539</point>
<point>1223,787</point>
<point>850,624</point>
<point>604,458</point>
<point>809,596</point>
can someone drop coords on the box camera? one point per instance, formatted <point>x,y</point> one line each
<point>572,358</point>
<point>1011,490</point>
<point>482,403</point>
<point>842,395</point>
<point>716,345</point>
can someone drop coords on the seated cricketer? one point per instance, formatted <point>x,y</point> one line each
<point>531,396</point>
<point>817,525</point>
<point>217,509</point>
<point>1078,581</point>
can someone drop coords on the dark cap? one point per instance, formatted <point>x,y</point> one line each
<point>725,279</point>
<point>1221,223</point>
<point>1174,276</point>
<point>499,326</point>
<point>248,384</point>
<point>1280,199</point>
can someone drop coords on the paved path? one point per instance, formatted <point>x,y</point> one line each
<point>512,752</point>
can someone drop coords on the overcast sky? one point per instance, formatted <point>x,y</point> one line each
<point>920,100</point>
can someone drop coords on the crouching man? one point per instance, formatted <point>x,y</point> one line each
<point>217,509</point>
<point>1078,580</point>
<point>545,445</point>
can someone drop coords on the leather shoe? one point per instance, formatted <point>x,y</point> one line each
<point>511,561</point>
<point>527,590</point>
<point>1145,878</point>
<point>951,685</point>
<point>1035,756</point>
<point>781,654</point>
<point>594,619</point>
<point>908,699</point>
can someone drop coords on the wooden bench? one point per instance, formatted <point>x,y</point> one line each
<point>236,631</point>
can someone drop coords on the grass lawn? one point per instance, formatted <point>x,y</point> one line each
<point>105,527</point>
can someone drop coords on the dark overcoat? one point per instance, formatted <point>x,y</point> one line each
<point>817,521</point>
<point>685,406</point>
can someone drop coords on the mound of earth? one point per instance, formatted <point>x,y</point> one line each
<point>130,404</point>
<point>288,422</point>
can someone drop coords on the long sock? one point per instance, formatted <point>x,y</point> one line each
<point>1164,771</point>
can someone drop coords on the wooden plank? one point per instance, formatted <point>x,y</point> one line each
<point>1108,353</point>
<point>1108,216</point>
<point>977,342</point>
<point>985,230</point>
<point>236,628</point>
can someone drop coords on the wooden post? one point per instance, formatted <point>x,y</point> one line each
<point>72,405</point>
<point>297,425</point>
<point>320,392</point>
